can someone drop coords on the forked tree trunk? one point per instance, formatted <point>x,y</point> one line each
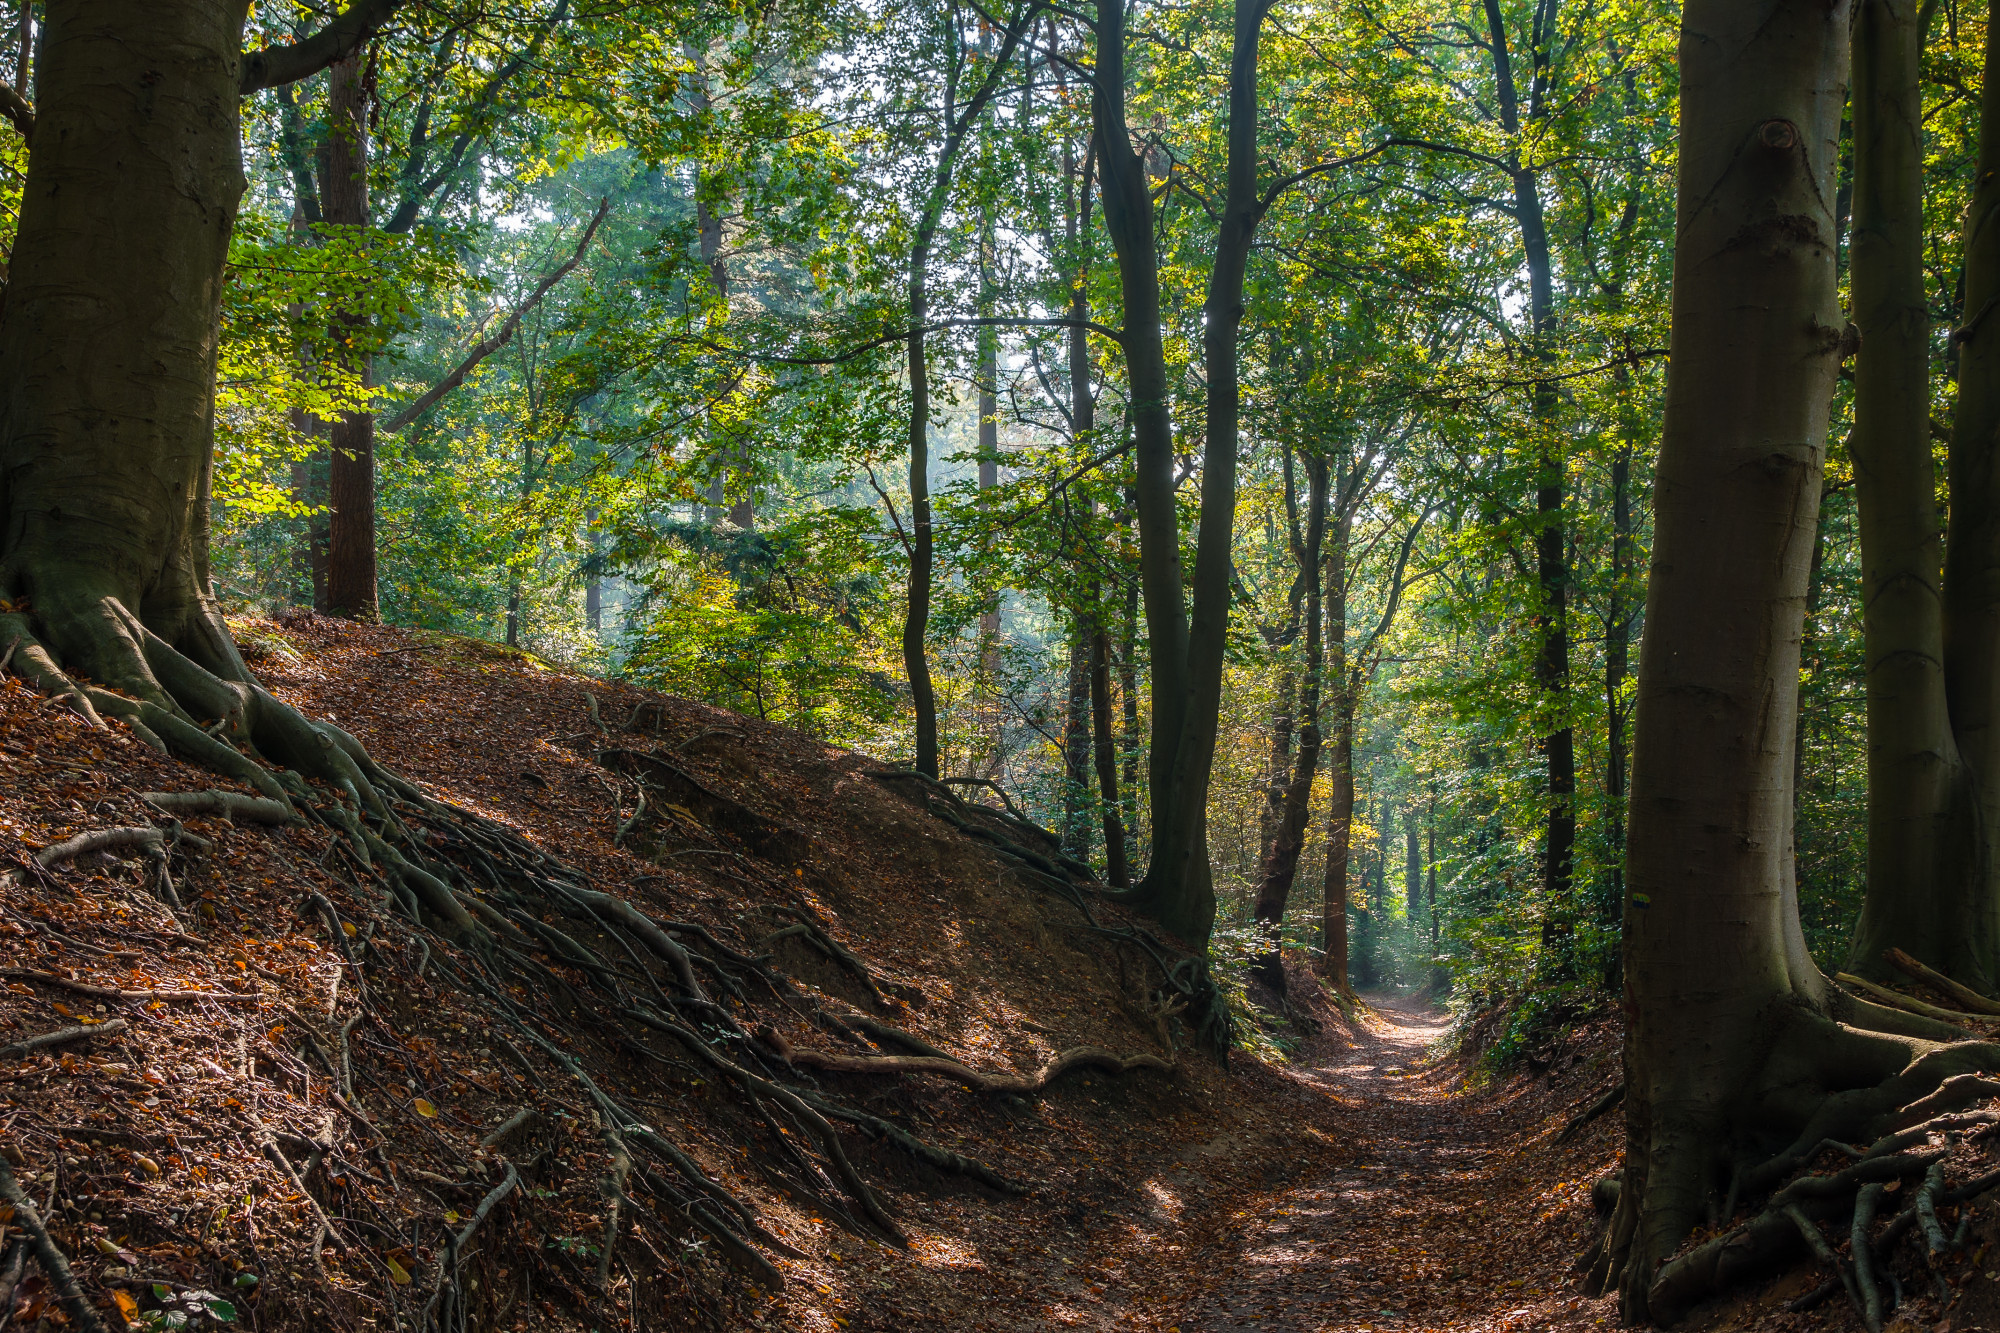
<point>1731,1034</point>
<point>1925,893</point>
<point>1179,888</point>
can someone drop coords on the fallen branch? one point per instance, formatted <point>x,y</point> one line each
<point>62,1036</point>
<point>147,839</point>
<point>228,804</point>
<point>125,996</point>
<point>70,1296</point>
<point>1612,1096</point>
<point>1079,1057</point>
<point>1966,997</point>
<point>1898,1000</point>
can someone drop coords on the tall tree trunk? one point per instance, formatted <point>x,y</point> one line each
<point>1278,759</point>
<point>107,358</point>
<point>1972,549</point>
<point>1117,870</point>
<point>916,619</point>
<point>1129,733</point>
<point>593,579</point>
<point>1924,893</point>
<point>1187,698</point>
<point>1340,805</point>
<point>108,337</point>
<point>1413,868</point>
<point>1551,561</point>
<point>350,564</point>
<point>1126,195</point>
<point>917,615</point>
<point>1288,840</point>
<point>1617,664</point>
<point>1733,1037</point>
<point>1076,738</point>
<point>1440,978</point>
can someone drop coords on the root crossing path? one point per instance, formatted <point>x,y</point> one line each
<point>1434,1208</point>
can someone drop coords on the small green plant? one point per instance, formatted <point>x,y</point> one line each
<point>188,1309</point>
<point>1233,949</point>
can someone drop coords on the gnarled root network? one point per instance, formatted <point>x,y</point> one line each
<point>484,905</point>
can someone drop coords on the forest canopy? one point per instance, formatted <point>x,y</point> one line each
<point>1491,497</point>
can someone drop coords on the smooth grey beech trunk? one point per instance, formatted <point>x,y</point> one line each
<point>108,340</point>
<point>1733,1036</point>
<point>1930,890</point>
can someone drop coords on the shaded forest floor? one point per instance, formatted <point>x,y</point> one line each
<point>1363,1186</point>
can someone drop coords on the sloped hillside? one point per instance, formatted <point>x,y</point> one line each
<point>287,1102</point>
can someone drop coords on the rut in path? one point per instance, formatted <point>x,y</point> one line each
<point>1442,1218</point>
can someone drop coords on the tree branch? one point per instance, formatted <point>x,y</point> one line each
<point>275,66</point>
<point>488,346</point>
<point>15,107</point>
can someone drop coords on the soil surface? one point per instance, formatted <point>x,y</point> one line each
<point>1368,1181</point>
<point>1431,1221</point>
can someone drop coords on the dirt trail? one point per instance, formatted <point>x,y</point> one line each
<point>1443,1216</point>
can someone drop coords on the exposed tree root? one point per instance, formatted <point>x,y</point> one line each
<point>228,804</point>
<point>1078,1057</point>
<point>54,1264</point>
<point>148,841</point>
<point>1185,976</point>
<point>486,903</point>
<point>1838,1085</point>
<point>1897,1000</point>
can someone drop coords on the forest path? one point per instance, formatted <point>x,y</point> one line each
<point>1430,1223</point>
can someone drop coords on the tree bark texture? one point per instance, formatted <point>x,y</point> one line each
<point>1126,196</point>
<point>1926,894</point>
<point>916,618</point>
<point>350,564</point>
<point>1340,805</point>
<point>1294,797</point>
<point>1551,560</point>
<point>107,358</point>
<point>108,340</point>
<point>1076,739</point>
<point>1731,1030</point>
<point>1179,886</point>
